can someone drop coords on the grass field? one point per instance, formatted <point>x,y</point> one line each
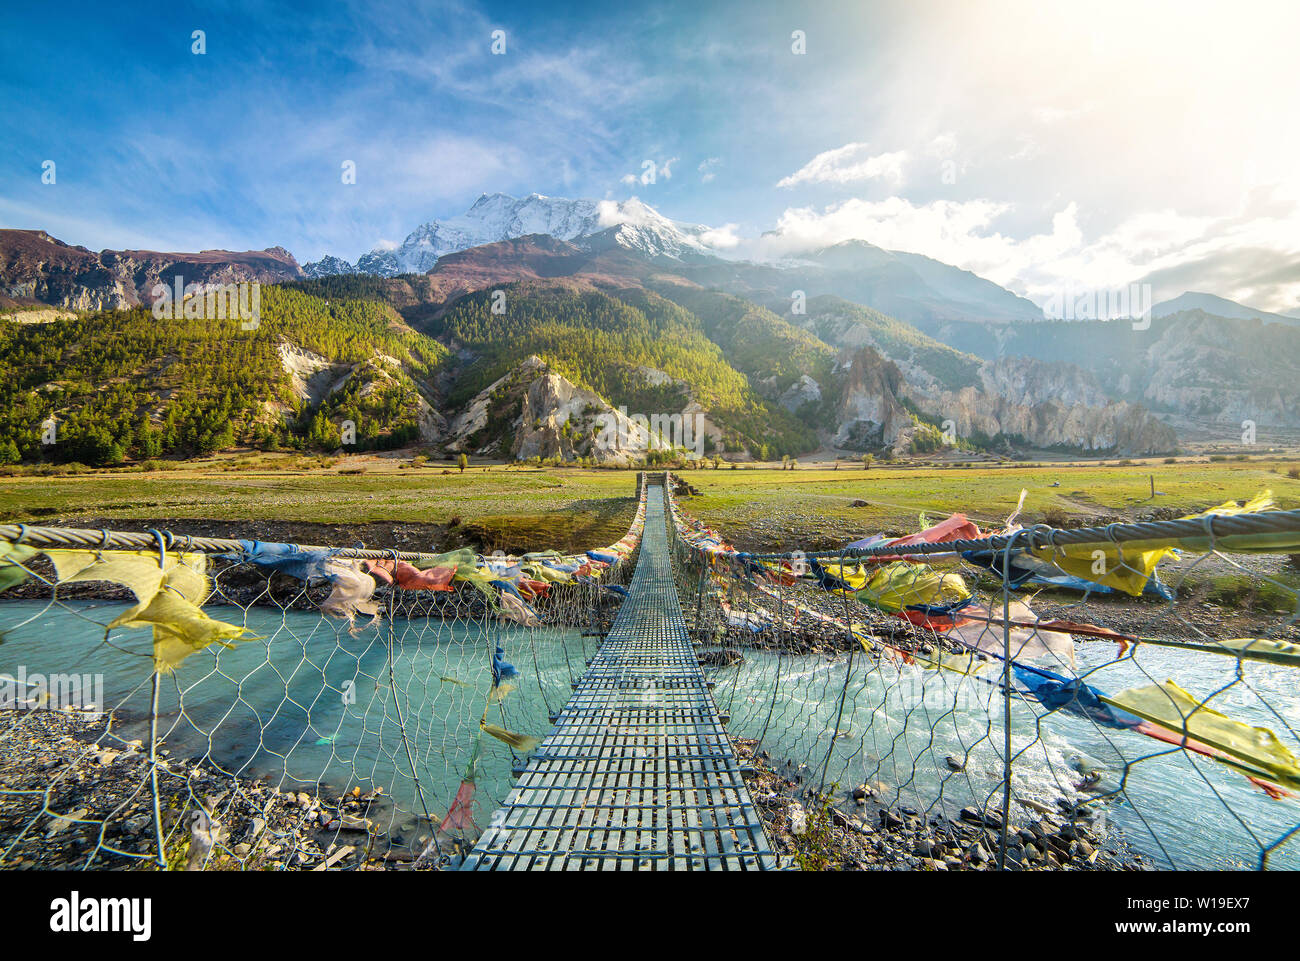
<point>757,508</point>
<point>525,508</point>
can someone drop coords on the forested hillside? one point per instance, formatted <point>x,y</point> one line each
<point>604,342</point>
<point>768,348</point>
<point>845,324</point>
<point>124,383</point>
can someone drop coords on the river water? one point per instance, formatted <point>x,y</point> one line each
<point>311,703</point>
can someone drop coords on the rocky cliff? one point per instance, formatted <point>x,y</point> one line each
<point>36,266</point>
<point>533,411</point>
<point>1017,400</point>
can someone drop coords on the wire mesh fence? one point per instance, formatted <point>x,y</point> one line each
<point>1019,698</point>
<point>1118,697</point>
<point>198,703</point>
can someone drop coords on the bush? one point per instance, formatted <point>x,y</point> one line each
<point>1056,517</point>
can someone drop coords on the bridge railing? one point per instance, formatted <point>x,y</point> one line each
<point>201,703</point>
<point>1024,698</point>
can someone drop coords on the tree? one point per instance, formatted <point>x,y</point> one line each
<point>462,462</point>
<point>867,461</point>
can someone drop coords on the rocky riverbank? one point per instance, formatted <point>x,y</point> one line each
<point>815,832</point>
<point>72,796</point>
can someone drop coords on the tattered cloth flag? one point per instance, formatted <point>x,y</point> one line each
<point>501,668</point>
<point>1072,695</point>
<point>917,593</point>
<point>353,588</point>
<point>521,743</point>
<point>1255,751</point>
<point>514,607</point>
<point>13,557</point>
<point>460,817</point>
<point>411,578</point>
<point>352,593</point>
<point>168,598</point>
<point>1028,641</point>
<point>1123,569</point>
<point>1131,568</point>
<point>954,528</point>
<point>288,559</point>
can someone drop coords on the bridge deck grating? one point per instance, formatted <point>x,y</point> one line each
<point>638,771</point>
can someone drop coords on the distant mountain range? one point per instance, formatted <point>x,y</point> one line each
<point>1218,307</point>
<point>37,268</point>
<point>607,305</point>
<point>912,287</point>
<point>908,285</point>
<point>497,217</point>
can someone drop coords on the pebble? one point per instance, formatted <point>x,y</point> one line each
<point>798,819</point>
<point>108,783</point>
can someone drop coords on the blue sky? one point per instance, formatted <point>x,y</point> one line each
<point>1037,144</point>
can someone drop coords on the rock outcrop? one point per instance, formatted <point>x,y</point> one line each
<point>803,391</point>
<point>1018,400</point>
<point>535,412</point>
<point>869,416</point>
<point>34,265</point>
<point>1047,406</point>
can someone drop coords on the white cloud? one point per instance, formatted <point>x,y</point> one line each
<point>1167,247</point>
<point>848,164</point>
<point>721,238</point>
<point>706,169</point>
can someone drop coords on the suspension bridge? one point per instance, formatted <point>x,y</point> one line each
<point>309,707</point>
<point>638,773</point>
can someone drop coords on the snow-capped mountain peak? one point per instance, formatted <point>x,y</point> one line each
<point>497,216</point>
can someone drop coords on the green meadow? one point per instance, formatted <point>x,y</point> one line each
<point>571,507</point>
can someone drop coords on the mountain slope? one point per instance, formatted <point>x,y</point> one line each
<point>497,217</point>
<point>1198,367</point>
<point>1218,306</point>
<point>123,383</point>
<point>637,350</point>
<point>910,287</point>
<point>770,350</point>
<point>37,266</point>
<point>1007,402</point>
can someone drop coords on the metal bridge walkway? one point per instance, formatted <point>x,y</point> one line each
<point>638,772</point>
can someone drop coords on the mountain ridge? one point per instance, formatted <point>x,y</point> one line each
<point>792,329</point>
<point>1217,306</point>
